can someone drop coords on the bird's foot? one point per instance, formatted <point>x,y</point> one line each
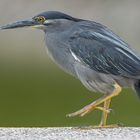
<point>109,126</point>
<point>101,126</point>
<point>87,109</point>
<point>96,104</point>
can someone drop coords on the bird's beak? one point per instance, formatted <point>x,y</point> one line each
<point>20,24</point>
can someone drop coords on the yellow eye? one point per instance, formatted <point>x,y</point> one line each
<point>40,19</point>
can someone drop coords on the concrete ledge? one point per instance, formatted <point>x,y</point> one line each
<point>70,133</point>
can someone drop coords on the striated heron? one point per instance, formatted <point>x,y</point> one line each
<point>92,53</point>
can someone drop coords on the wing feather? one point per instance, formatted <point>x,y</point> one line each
<point>104,51</point>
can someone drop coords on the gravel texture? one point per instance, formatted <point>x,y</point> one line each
<point>70,133</point>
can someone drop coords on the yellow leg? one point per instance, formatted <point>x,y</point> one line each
<point>95,104</point>
<point>105,114</point>
<point>107,110</point>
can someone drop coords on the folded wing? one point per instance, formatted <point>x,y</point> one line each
<point>103,51</point>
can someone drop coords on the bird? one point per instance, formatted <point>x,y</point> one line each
<point>92,53</point>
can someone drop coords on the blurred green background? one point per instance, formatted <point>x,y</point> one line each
<point>33,90</point>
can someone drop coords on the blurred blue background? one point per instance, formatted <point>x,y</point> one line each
<point>33,90</point>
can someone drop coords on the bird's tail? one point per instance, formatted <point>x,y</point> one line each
<point>137,88</point>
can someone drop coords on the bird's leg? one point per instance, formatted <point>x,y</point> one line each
<point>107,110</point>
<point>104,113</point>
<point>95,104</point>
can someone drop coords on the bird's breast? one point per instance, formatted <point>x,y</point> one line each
<point>59,52</point>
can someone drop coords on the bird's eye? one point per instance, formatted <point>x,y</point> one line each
<point>40,19</point>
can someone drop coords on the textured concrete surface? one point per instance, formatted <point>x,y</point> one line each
<point>69,133</point>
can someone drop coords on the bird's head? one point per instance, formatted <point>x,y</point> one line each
<point>40,21</point>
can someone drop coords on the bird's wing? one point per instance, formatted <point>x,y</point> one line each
<point>103,51</point>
